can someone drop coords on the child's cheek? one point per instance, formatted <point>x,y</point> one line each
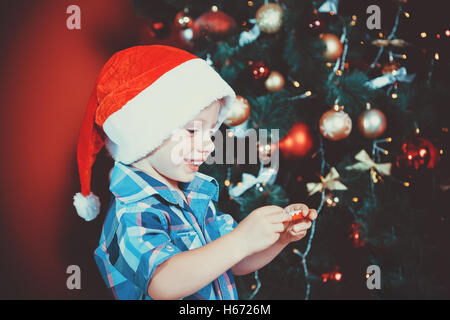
<point>188,143</point>
<point>179,149</point>
<point>187,147</point>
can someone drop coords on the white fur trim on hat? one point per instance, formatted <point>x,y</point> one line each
<point>87,207</point>
<point>170,102</point>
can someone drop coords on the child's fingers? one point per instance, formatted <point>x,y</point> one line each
<point>282,217</point>
<point>270,210</point>
<point>303,231</point>
<point>312,215</point>
<point>277,227</point>
<point>298,233</point>
<point>302,225</point>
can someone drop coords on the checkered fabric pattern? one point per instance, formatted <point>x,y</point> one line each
<point>147,223</point>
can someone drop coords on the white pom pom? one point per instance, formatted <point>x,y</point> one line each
<point>87,207</point>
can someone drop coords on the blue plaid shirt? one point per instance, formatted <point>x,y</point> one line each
<point>147,223</point>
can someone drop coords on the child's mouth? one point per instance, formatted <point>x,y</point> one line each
<point>193,165</point>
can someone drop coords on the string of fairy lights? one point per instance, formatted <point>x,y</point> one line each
<point>389,37</point>
<point>338,68</point>
<point>304,254</point>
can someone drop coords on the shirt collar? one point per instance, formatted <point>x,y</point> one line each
<point>129,184</point>
<point>202,183</point>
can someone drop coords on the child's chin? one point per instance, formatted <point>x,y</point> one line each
<point>186,176</point>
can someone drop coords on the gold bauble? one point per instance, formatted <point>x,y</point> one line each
<point>372,123</point>
<point>335,125</point>
<point>269,17</point>
<point>333,45</point>
<point>238,113</point>
<point>275,82</point>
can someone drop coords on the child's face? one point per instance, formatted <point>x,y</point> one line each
<point>179,157</point>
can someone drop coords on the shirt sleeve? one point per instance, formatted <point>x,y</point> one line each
<point>144,245</point>
<point>225,223</point>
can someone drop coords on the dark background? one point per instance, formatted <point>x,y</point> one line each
<point>47,73</point>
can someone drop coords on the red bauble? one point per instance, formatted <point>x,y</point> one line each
<point>214,23</point>
<point>298,142</point>
<point>417,153</point>
<point>259,71</point>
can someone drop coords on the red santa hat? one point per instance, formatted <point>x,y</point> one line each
<point>142,95</point>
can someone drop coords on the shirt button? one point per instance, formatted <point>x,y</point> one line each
<point>169,247</point>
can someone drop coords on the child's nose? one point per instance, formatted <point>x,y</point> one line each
<point>206,146</point>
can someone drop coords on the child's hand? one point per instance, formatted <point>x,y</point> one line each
<point>296,230</point>
<point>261,228</point>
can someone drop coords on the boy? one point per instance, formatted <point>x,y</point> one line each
<point>156,108</point>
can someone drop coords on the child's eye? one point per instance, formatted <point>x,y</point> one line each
<point>192,131</point>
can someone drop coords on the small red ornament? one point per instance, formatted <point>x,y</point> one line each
<point>356,235</point>
<point>151,29</point>
<point>214,23</point>
<point>259,71</point>
<point>417,153</point>
<point>161,29</point>
<point>296,214</point>
<point>333,275</point>
<point>157,17</point>
<point>298,142</point>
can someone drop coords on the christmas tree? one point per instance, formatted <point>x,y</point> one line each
<point>360,109</point>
